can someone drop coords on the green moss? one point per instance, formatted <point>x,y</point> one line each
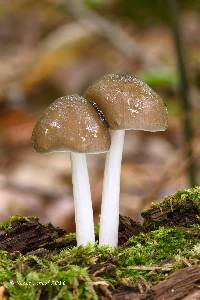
<point>61,276</point>
<point>71,283</point>
<point>7,225</point>
<point>157,248</point>
<point>177,199</point>
<point>70,237</point>
<point>196,226</point>
<point>78,272</point>
<point>6,266</point>
<point>185,203</point>
<point>69,275</point>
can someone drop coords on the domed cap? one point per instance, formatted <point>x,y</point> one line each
<point>128,103</point>
<point>71,123</point>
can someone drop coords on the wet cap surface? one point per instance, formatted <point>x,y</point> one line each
<point>71,123</point>
<point>128,103</point>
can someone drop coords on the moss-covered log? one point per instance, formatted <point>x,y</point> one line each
<point>26,234</point>
<point>160,260</point>
<point>181,209</point>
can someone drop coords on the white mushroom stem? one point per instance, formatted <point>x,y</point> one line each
<point>109,220</point>
<point>82,200</point>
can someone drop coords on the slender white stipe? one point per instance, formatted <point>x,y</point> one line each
<point>82,200</point>
<point>109,220</point>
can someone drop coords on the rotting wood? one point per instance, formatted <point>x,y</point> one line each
<point>128,228</point>
<point>28,234</point>
<point>167,216</point>
<point>178,285</point>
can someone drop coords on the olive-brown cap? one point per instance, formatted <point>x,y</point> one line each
<point>71,123</point>
<point>128,103</point>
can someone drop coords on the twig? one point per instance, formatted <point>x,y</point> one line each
<point>184,89</point>
<point>151,268</point>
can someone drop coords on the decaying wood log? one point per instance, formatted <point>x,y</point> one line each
<point>178,285</point>
<point>128,293</point>
<point>128,228</point>
<point>181,284</point>
<point>28,234</point>
<point>194,296</point>
<point>166,216</point>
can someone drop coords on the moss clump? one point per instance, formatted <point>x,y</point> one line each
<point>178,199</point>
<point>160,249</point>
<point>62,276</point>
<point>8,225</point>
<point>77,273</point>
<point>196,226</point>
<point>92,271</point>
<point>180,209</point>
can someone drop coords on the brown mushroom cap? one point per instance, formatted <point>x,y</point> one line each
<point>71,123</point>
<point>128,103</point>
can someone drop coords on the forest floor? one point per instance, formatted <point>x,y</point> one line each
<point>157,259</point>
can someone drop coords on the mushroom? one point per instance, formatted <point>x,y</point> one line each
<point>72,124</point>
<point>127,103</point>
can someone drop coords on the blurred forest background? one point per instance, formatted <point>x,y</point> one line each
<point>51,48</point>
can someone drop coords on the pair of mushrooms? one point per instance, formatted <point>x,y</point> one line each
<point>95,124</point>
